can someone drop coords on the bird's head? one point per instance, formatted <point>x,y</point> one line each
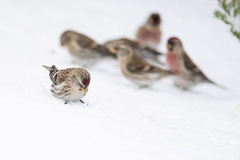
<point>114,44</point>
<point>84,85</point>
<point>154,19</point>
<point>66,37</point>
<point>110,45</point>
<point>82,81</point>
<point>174,44</point>
<point>124,51</point>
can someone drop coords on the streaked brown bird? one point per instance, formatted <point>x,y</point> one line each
<point>150,33</point>
<point>69,84</point>
<point>187,73</point>
<point>141,50</point>
<point>136,69</point>
<point>82,47</point>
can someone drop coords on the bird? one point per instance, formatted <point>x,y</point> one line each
<point>150,33</point>
<point>136,69</point>
<point>69,84</point>
<point>83,48</point>
<point>150,55</point>
<point>187,72</point>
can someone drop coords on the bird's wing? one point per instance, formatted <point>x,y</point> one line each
<point>136,45</point>
<point>60,76</point>
<point>138,65</point>
<point>104,51</point>
<point>129,42</point>
<point>190,66</point>
<point>89,43</point>
<point>86,42</point>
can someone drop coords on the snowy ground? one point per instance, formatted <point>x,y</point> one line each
<point>121,121</point>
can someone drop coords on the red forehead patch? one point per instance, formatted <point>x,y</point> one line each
<point>86,82</point>
<point>172,39</point>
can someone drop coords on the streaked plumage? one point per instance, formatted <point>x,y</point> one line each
<point>70,84</point>
<point>138,70</point>
<point>188,74</point>
<point>82,47</point>
<point>150,33</point>
<point>141,50</point>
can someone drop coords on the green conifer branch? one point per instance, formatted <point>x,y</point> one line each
<point>230,10</point>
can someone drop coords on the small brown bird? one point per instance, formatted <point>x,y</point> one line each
<point>141,50</point>
<point>82,47</point>
<point>187,73</point>
<point>150,33</point>
<point>136,69</point>
<point>70,84</point>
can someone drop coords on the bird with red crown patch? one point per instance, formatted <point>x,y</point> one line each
<point>70,84</point>
<point>136,69</point>
<point>150,33</point>
<point>187,73</point>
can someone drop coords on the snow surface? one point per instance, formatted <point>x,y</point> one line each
<point>120,121</point>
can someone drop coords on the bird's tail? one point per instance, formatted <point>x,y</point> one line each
<point>104,51</point>
<point>48,68</point>
<point>216,84</point>
<point>51,69</point>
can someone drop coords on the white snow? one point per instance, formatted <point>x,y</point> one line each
<point>120,121</point>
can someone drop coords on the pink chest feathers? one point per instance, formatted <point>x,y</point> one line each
<point>153,35</point>
<point>173,62</point>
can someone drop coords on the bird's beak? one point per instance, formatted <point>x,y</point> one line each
<point>169,46</point>
<point>112,50</point>
<point>83,90</point>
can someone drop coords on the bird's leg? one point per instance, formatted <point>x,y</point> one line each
<point>82,101</point>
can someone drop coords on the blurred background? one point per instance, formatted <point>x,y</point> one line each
<point>120,121</point>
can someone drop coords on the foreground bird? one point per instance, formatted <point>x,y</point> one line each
<point>82,47</point>
<point>188,74</point>
<point>150,33</point>
<point>70,84</point>
<point>136,69</point>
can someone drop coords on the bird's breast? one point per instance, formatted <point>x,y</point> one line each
<point>75,94</point>
<point>173,62</point>
<point>150,34</point>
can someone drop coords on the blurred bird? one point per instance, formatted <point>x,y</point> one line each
<point>150,33</point>
<point>188,74</point>
<point>82,47</point>
<point>141,50</point>
<point>136,69</point>
<point>70,84</point>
